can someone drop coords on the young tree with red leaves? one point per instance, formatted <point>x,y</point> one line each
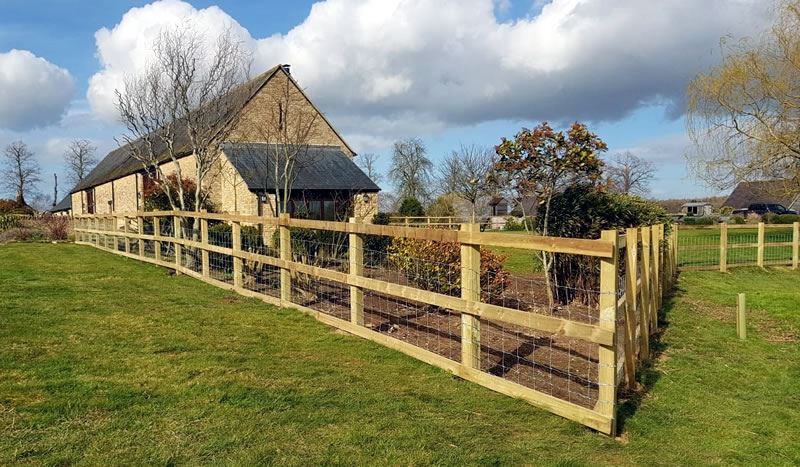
<point>541,161</point>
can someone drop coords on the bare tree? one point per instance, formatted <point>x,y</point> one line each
<point>80,159</point>
<point>20,172</point>
<point>184,103</point>
<point>630,174</point>
<point>465,173</point>
<point>288,125</point>
<point>743,114</point>
<point>411,169</point>
<point>368,163</point>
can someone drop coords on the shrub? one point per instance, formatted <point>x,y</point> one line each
<point>583,211</point>
<point>156,200</point>
<point>434,266</point>
<point>8,221</point>
<point>700,220</point>
<point>252,239</point>
<point>442,207</point>
<point>411,207</point>
<point>11,206</point>
<point>56,227</point>
<point>781,218</point>
<point>514,224</point>
<point>376,246</point>
<point>738,220</point>
<point>22,234</point>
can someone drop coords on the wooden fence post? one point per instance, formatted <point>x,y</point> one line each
<point>127,239</point>
<point>631,266</point>
<point>157,233</point>
<point>177,229</point>
<point>286,255</point>
<point>471,292</point>
<point>204,242</point>
<point>356,256</point>
<point>723,247</point>
<point>760,258</point>
<point>795,245</point>
<point>96,229</point>
<point>140,224</point>
<point>655,242</point>
<point>644,308</point>
<point>741,317</point>
<point>607,355</point>
<point>236,245</point>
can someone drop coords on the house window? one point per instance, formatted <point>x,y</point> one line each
<point>90,207</point>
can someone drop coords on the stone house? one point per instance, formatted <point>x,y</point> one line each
<point>327,183</point>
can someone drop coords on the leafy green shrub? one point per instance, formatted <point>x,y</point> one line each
<point>514,224</point>
<point>435,266</point>
<point>738,220</point>
<point>411,207</point>
<point>781,218</point>
<point>700,220</point>
<point>583,211</point>
<point>9,221</point>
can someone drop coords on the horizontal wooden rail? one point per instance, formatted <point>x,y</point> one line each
<point>578,246</point>
<point>634,300</point>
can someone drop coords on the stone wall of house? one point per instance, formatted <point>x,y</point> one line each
<point>127,193</point>
<point>261,117</point>
<point>103,198</point>
<point>365,206</point>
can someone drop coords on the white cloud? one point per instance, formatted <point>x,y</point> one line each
<point>126,48</point>
<point>33,91</point>
<point>452,62</point>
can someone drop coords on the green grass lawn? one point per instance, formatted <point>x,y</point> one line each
<point>700,247</point>
<point>104,360</point>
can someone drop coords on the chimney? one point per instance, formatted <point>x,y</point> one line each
<point>287,68</point>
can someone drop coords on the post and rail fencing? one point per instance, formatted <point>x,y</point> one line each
<point>566,345</point>
<point>452,222</point>
<point>723,246</point>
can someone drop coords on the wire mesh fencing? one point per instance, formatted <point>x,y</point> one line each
<point>556,332</point>
<point>723,246</point>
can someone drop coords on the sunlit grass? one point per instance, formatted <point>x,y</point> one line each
<point>105,360</point>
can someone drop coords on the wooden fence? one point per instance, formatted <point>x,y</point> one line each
<point>453,222</point>
<point>723,246</point>
<point>569,359</point>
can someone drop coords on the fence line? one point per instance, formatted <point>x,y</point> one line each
<point>724,246</point>
<point>569,359</point>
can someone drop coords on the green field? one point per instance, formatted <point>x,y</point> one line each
<point>700,247</point>
<point>105,360</point>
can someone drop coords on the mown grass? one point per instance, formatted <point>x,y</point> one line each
<point>104,360</point>
<point>701,247</point>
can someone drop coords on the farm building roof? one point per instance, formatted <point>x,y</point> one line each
<point>316,168</point>
<point>120,163</point>
<point>783,192</point>
<point>64,205</point>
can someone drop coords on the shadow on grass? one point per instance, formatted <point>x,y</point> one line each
<point>648,373</point>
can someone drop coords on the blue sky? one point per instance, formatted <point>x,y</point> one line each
<point>450,72</point>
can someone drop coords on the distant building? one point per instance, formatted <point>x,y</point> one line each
<point>783,192</point>
<point>697,208</point>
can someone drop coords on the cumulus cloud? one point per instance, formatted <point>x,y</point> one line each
<point>126,48</point>
<point>453,62</point>
<point>33,91</point>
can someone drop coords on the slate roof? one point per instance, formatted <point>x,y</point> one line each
<point>765,191</point>
<point>317,168</point>
<point>119,163</point>
<point>64,205</point>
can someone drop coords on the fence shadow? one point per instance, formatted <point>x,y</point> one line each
<point>649,373</point>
